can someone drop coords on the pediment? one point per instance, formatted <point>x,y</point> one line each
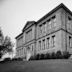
<point>28,24</point>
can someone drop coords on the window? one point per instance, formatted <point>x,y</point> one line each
<point>49,23</point>
<point>28,35</point>
<point>44,44</point>
<point>54,21</point>
<point>17,52</point>
<point>22,51</point>
<point>69,18</point>
<point>39,45</point>
<point>44,27</point>
<point>40,26</point>
<point>32,47</point>
<point>53,41</point>
<point>48,42</point>
<point>70,41</point>
<point>69,22</point>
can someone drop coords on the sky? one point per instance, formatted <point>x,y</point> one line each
<point>15,13</point>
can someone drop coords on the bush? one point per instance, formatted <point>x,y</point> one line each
<point>42,56</point>
<point>20,59</point>
<point>33,58</point>
<point>14,59</point>
<point>66,55</point>
<point>17,59</point>
<point>47,56</point>
<point>37,57</point>
<point>6,60</point>
<point>53,55</point>
<point>59,55</point>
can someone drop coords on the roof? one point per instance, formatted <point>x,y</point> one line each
<point>18,35</point>
<point>28,24</point>
<point>52,11</point>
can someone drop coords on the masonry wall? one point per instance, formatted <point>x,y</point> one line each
<point>29,41</point>
<point>66,25</point>
<point>19,48</point>
<point>66,43</point>
<point>30,45</point>
<point>49,32</point>
<point>31,36</point>
<point>66,21</point>
<point>57,46</point>
<point>53,28</point>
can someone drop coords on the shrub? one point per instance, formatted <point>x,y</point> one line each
<point>42,56</point>
<point>59,55</point>
<point>7,59</point>
<point>17,59</point>
<point>14,59</point>
<point>30,58</point>
<point>53,55</point>
<point>66,55</point>
<point>20,59</point>
<point>37,57</point>
<point>33,58</point>
<point>47,56</point>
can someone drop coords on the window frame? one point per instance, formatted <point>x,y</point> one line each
<point>53,41</point>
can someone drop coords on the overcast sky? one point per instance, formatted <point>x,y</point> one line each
<point>15,13</point>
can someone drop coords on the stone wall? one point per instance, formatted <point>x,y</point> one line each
<point>51,47</point>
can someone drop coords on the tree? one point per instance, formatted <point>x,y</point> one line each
<point>6,45</point>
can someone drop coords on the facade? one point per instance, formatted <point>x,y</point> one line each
<point>51,33</point>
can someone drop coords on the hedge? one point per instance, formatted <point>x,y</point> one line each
<point>53,55</point>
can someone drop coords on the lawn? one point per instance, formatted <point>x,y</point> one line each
<point>37,66</point>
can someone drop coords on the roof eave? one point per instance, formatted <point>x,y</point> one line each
<point>55,9</point>
<point>18,35</point>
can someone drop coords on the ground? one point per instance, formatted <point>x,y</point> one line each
<point>37,66</point>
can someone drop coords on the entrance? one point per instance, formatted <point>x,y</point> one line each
<point>28,53</point>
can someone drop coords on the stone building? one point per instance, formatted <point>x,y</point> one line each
<point>51,33</point>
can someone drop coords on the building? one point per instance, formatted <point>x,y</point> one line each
<point>51,33</point>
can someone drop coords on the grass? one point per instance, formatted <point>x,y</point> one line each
<point>37,66</point>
